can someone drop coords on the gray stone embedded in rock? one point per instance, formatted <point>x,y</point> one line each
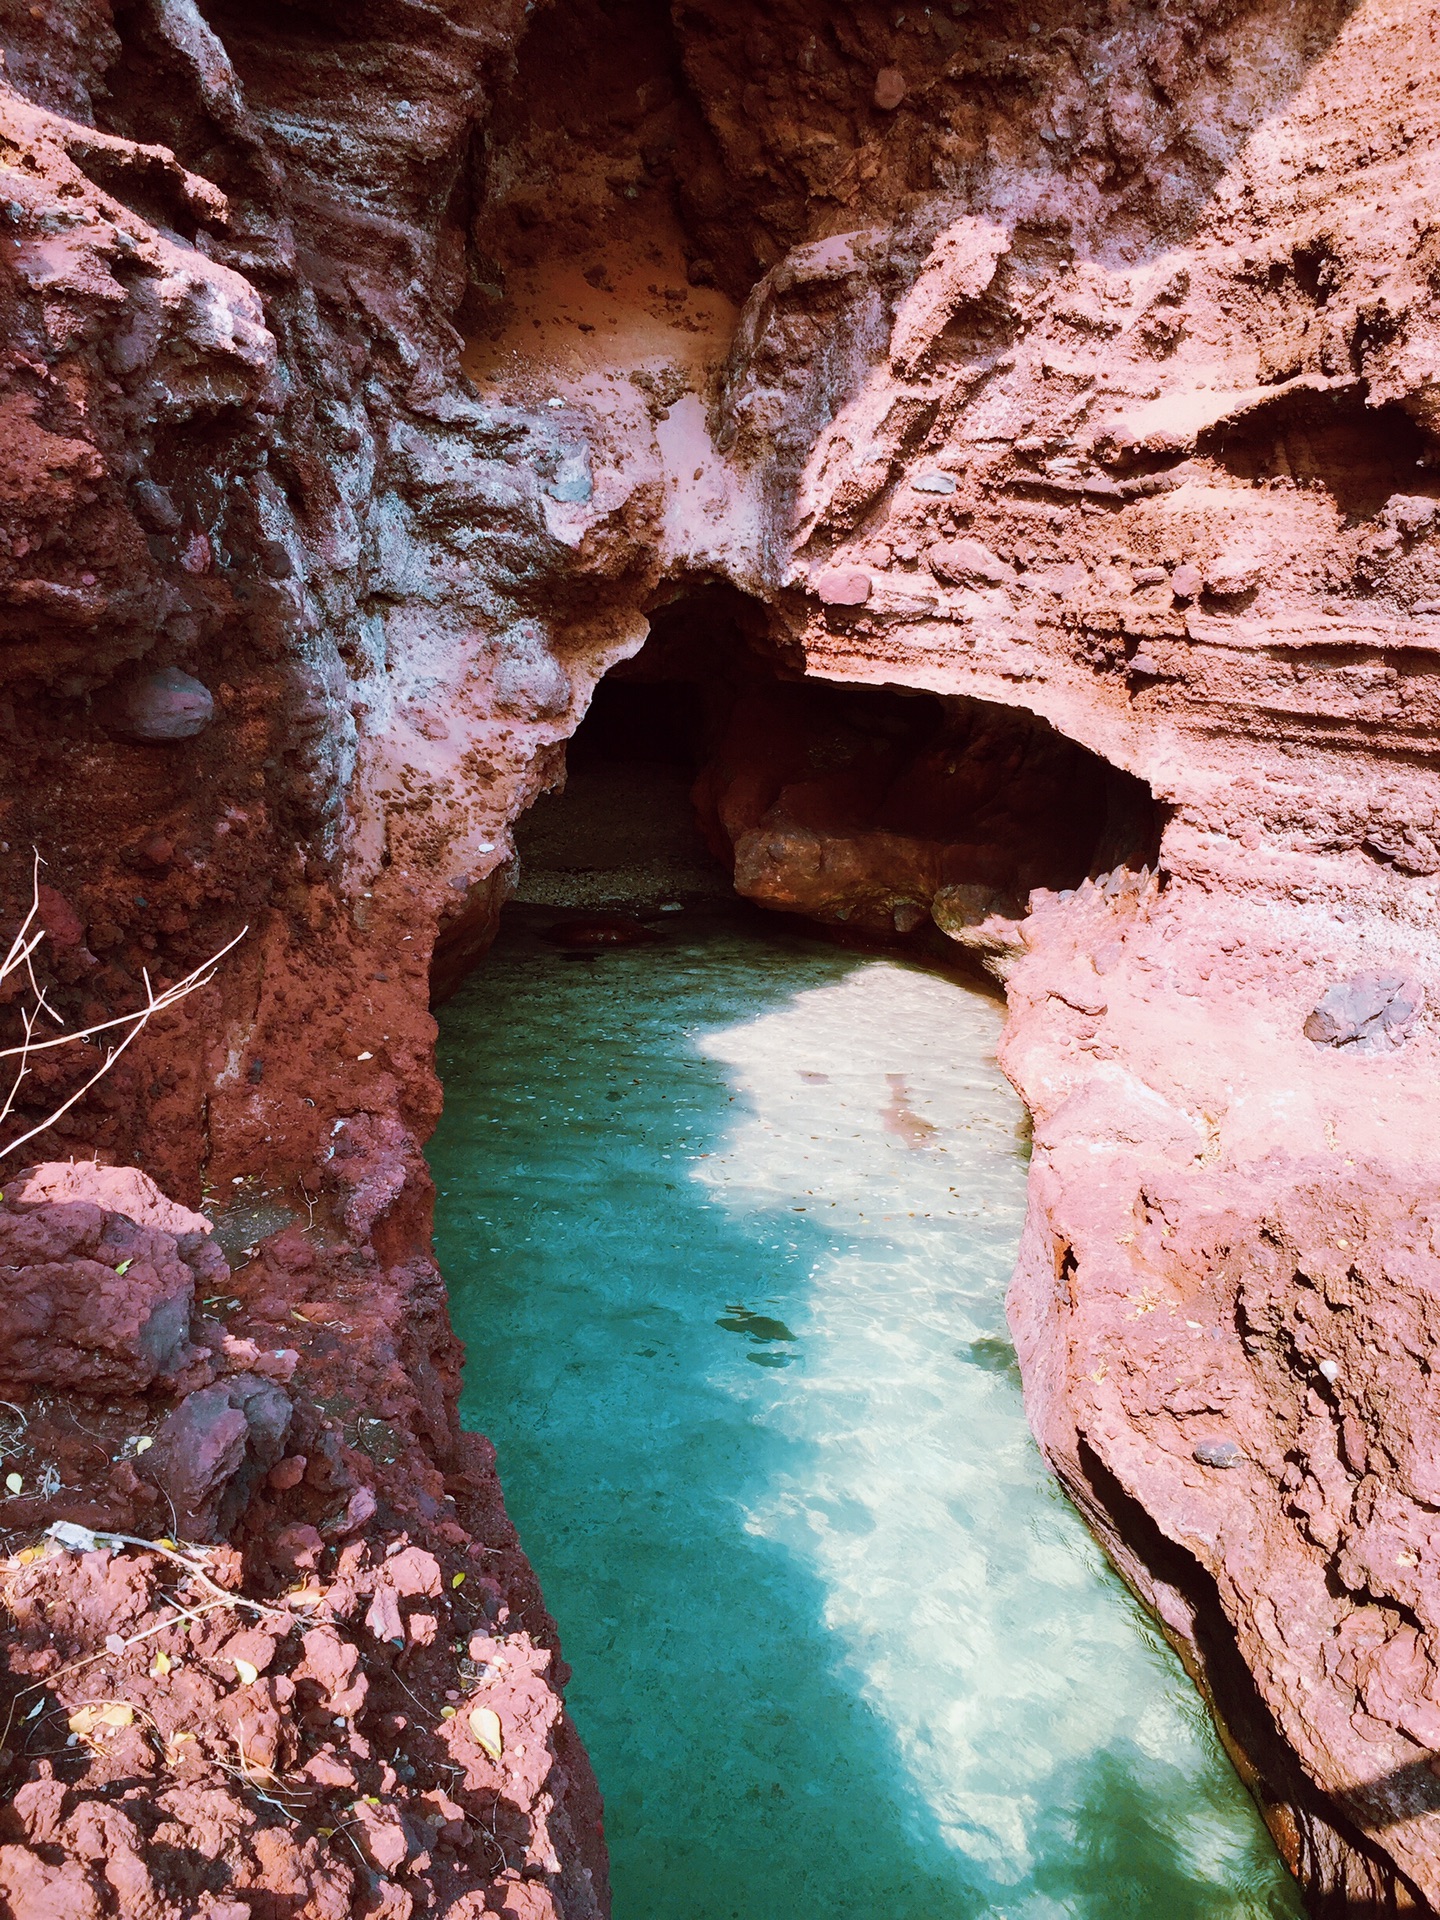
<point>154,507</point>
<point>572,482</point>
<point>1217,1453</point>
<point>934,483</point>
<point>163,706</point>
<point>1370,1012</point>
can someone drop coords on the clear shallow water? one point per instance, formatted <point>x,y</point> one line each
<point>727,1225</point>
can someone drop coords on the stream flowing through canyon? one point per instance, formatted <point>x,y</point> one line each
<point>727,1221</point>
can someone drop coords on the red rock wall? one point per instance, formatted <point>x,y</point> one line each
<point>1085,365</point>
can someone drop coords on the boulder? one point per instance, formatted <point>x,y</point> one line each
<point>101,1271</point>
<point>213,1451</point>
<point>155,507</point>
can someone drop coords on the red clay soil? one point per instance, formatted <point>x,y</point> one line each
<point>1077,361</point>
<point>348,1700</point>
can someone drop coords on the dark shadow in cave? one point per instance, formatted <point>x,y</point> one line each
<point>1362,455</point>
<point>707,766</point>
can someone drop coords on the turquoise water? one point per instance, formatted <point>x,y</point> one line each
<point>727,1224</point>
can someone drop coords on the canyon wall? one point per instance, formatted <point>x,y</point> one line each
<point>373,377</point>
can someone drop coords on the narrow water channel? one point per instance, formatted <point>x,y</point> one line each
<point>727,1222</point>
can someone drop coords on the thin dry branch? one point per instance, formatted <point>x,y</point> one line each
<point>20,954</point>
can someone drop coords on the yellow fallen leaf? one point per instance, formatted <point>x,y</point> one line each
<point>166,1541</point>
<point>161,1666</point>
<point>14,1482</point>
<point>144,1443</point>
<point>112,1713</point>
<point>248,1673</point>
<point>447,1713</point>
<point>458,1581</point>
<point>28,1554</point>
<point>485,1725</point>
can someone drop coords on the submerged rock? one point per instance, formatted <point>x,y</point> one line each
<point>600,930</point>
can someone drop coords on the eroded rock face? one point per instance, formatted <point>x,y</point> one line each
<point>100,1282</point>
<point>1088,371</point>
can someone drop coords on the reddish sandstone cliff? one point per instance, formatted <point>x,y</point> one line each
<point>1077,362</point>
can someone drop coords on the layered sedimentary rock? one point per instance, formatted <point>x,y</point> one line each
<point>371,381</point>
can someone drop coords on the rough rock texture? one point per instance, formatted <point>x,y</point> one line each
<point>188,1730</point>
<point>1078,360</point>
<point>100,1282</point>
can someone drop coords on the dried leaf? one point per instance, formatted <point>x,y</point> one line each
<point>110,1713</point>
<point>249,1674</point>
<point>14,1482</point>
<point>485,1725</point>
<point>144,1443</point>
<point>447,1713</point>
<point>160,1666</point>
<point>125,1265</point>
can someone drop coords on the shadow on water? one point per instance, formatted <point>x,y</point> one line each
<point>723,1590</point>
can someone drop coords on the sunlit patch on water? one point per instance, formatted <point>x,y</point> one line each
<point>728,1225</point>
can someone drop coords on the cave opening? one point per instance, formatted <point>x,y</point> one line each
<point>708,767</point>
<point>727,1215</point>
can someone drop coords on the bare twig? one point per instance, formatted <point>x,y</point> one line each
<point>19,956</point>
